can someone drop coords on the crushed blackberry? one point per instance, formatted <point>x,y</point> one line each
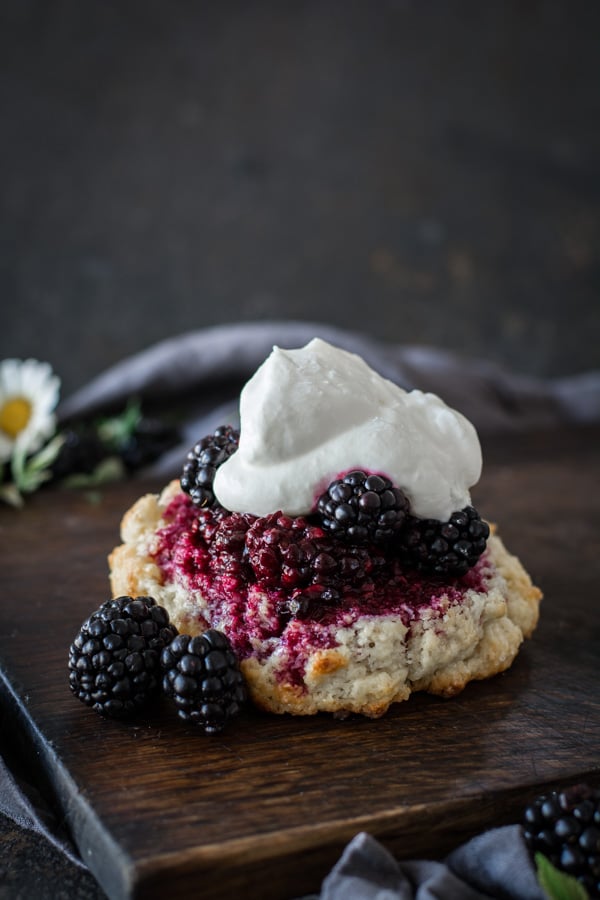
<point>114,661</point>
<point>444,548</point>
<point>226,547</point>
<point>203,461</point>
<point>308,564</point>
<point>565,827</point>
<point>202,676</point>
<point>361,508</point>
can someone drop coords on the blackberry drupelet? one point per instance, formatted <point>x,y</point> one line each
<point>114,661</point>
<point>202,676</point>
<point>444,548</point>
<point>361,508</point>
<point>203,461</point>
<point>565,827</point>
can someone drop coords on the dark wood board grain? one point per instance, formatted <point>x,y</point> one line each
<point>266,808</point>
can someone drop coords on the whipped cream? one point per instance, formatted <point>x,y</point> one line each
<point>309,415</point>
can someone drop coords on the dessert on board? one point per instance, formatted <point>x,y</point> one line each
<point>333,541</point>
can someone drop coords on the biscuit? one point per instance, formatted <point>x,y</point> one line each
<point>344,661</point>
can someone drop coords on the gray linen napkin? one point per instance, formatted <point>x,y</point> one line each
<point>198,376</point>
<point>22,803</point>
<point>494,864</point>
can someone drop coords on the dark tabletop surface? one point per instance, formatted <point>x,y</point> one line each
<point>29,867</point>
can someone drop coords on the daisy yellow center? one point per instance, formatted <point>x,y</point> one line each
<point>14,416</point>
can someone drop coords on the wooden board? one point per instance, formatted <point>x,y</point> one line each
<point>266,808</point>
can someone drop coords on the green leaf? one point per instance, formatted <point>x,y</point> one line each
<point>46,456</point>
<point>110,469</point>
<point>17,465</point>
<point>116,430</point>
<point>30,473</point>
<point>558,885</point>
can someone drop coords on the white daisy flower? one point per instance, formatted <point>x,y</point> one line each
<point>28,396</point>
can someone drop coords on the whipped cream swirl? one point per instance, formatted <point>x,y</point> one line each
<point>309,415</point>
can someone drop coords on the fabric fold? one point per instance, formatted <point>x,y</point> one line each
<point>22,804</point>
<point>495,864</point>
<point>200,370</point>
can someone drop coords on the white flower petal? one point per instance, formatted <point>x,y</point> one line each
<point>35,382</point>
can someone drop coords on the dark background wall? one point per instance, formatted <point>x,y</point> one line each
<point>428,172</point>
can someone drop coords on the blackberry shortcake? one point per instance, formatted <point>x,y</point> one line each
<point>332,539</point>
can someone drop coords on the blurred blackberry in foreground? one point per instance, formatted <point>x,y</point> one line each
<point>361,508</point>
<point>202,676</point>
<point>565,827</point>
<point>114,661</point>
<point>203,461</point>
<point>444,548</point>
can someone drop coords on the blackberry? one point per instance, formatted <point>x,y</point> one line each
<point>149,440</point>
<point>202,676</point>
<point>81,453</point>
<point>203,461</point>
<point>444,548</point>
<point>565,827</point>
<point>114,661</point>
<point>361,508</point>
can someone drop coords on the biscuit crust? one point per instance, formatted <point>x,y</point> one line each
<point>374,662</point>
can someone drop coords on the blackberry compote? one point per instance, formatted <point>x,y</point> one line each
<point>285,582</point>
<point>305,563</point>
